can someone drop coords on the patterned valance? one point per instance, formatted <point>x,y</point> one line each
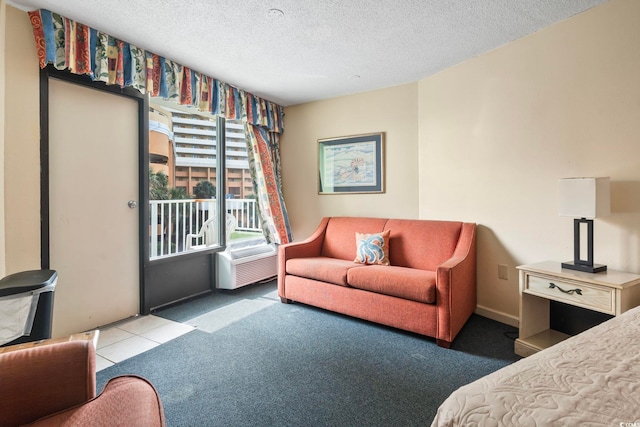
<point>83,50</point>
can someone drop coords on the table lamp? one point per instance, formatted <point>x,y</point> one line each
<point>584,199</point>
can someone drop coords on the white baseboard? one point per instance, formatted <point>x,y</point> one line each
<point>498,316</point>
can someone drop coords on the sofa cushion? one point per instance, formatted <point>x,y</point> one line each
<point>401,282</point>
<point>372,248</point>
<point>422,244</point>
<point>330,270</point>
<point>340,235</point>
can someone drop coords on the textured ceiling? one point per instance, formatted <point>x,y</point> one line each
<point>295,51</point>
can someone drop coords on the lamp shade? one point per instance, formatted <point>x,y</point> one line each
<point>584,197</point>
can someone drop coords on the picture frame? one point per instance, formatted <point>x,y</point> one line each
<point>351,164</point>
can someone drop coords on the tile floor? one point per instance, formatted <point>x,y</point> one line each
<point>141,333</point>
<point>137,335</point>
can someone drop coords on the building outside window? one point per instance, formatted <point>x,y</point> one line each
<point>183,146</point>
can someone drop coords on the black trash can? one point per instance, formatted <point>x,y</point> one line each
<point>26,306</point>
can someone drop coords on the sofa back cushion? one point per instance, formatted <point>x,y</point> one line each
<point>340,235</point>
<point>413,243</point>
<point>422,244</point>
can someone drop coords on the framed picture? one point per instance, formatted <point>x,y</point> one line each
<point>351,164</point>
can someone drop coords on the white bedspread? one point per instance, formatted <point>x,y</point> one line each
<point>591,379</point>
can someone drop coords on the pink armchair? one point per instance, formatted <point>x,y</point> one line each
<point>54,384</point>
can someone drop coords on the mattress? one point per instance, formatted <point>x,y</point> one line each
<point>591,379</point>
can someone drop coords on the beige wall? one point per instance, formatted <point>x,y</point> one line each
<point>498,131</point>
<point>22,187</point>
<point>495,134</point>
<point>392,111</point>
<point>22,146</point>
<point>484,141</point>
<point>3,11</point>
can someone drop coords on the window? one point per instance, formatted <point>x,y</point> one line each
<point>190,162</point>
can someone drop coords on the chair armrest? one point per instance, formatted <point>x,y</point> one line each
<point>310,247</point>
<point>189,239</point>
<point>129,399</point>
<point>196,235</point>
<point>38,381</point>
<point>456,286</point>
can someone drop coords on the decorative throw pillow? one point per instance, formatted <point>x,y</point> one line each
<point>372,248</point>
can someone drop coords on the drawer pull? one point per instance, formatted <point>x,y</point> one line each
<point>570,291</point>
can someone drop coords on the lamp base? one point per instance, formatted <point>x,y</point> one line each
<point>595,268</point>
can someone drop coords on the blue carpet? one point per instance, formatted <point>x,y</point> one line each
<point>295,365</point>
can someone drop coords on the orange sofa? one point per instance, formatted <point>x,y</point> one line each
<point>429,287</point>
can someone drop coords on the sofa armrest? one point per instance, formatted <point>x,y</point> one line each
<point>310,247</point>
<point>456,286</point>
<point>38,381</point>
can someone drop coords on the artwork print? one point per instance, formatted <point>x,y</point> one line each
<point>351,164</point>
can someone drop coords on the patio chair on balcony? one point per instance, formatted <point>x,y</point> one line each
<point>208,234</point>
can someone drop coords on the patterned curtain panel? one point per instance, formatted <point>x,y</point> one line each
<point>69,45</point>
<point>263,150</point>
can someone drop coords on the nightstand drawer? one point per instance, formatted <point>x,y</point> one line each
<point>611,292</point>
<point>574,293</point>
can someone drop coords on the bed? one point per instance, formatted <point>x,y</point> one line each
<point>591,379</point>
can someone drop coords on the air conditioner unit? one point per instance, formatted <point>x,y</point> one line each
<point>242,267</point>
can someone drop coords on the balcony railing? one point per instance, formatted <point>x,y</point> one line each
<point>170,221</point>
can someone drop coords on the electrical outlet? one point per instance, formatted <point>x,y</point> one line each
<point>503,272</point>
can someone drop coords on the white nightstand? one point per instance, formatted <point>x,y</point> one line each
<point>611,292</point>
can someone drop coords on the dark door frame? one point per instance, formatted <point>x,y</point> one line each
<point>143,159</point>
<point>162,282</point>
